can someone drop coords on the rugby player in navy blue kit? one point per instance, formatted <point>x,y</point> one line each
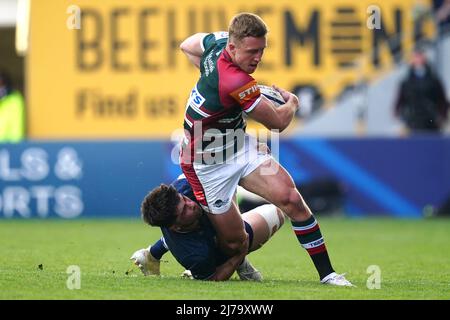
<point>190,237</point>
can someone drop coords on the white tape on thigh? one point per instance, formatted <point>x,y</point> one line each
<point>270,214</point>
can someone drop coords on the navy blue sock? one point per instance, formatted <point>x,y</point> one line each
<point>158,249</point>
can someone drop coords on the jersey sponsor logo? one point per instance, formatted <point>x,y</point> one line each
<point>246,92</point>
<point>208,64</point>
<point>196,99</point>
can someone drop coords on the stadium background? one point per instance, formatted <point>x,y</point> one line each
<point>105,102</point>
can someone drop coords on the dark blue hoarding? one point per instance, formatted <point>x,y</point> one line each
<point>398,177</point>
<point>77,179</point>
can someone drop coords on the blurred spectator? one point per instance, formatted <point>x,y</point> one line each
<point>421,104</point>
<point>12,111</point>
<point>442,15</point>
<point>441,11</point>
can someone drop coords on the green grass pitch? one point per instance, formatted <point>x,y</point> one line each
<point>413,257</point>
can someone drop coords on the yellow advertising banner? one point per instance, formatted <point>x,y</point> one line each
<point>112,69</point>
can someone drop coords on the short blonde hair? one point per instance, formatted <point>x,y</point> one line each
<point>246,24</point>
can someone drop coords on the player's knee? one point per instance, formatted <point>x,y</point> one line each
<point>288,197</point>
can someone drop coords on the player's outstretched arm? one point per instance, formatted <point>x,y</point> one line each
<point>193,49</point>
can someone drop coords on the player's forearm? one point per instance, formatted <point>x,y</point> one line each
<point>274,118</point>
<point>226,270</point>
<point>285,114</point>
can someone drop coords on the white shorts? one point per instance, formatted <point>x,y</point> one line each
<point>215,185</point>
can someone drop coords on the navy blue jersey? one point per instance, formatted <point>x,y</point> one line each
<point>197,250</point>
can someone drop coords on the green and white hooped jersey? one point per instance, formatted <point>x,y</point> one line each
<point>213,119</point>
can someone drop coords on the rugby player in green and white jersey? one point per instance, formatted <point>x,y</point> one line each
<point>217,155</point>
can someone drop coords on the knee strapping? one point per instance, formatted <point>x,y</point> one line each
<point>270,214</point>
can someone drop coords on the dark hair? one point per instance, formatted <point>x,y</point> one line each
<point>246,25</point>
<point>160,205</point>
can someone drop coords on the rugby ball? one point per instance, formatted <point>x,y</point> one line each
<point>271,94</point>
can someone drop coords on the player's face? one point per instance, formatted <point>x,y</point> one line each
<point>247,53</point>
<point>188,213</point>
